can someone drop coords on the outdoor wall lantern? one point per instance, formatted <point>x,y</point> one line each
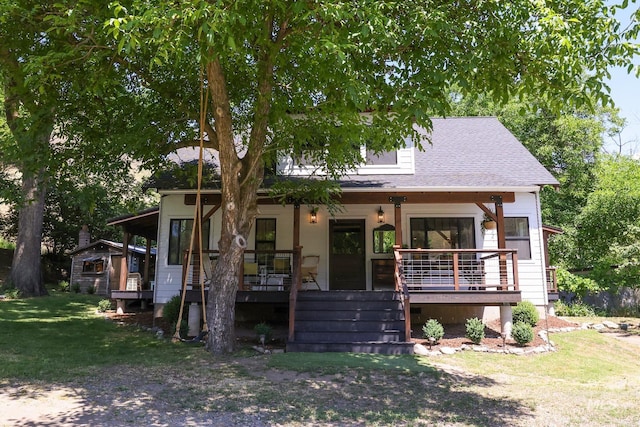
<point>380,215</point>
<point>313,216</point>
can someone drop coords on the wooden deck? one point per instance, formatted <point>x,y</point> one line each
<point>477,297</point>
<point>132,295</point>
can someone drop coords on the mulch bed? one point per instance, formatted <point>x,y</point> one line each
<point>454,335</point>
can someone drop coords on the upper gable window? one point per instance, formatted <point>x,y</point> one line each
<point>385,158</point>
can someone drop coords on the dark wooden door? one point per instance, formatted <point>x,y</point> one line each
<point>347,254</point>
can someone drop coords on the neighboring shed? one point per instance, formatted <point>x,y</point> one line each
<point>97,265</point>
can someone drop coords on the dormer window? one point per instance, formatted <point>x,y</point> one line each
<point>384,158</point>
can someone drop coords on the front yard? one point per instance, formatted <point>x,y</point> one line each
<point>63,364</point>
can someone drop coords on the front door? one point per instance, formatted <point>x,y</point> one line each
<point>347,254</point>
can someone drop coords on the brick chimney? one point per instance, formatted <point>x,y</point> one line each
<point>84,237</point>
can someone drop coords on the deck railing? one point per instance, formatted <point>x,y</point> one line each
<point>278,270</point>
<point>259,271</point>
<point>426,270</point>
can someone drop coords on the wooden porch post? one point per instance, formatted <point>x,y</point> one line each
<point>124,263</point>
<point>147,261</point>
<point>397,222</point>
<point>502,241</point>
<point>397,216</point>
<point>296,225</point>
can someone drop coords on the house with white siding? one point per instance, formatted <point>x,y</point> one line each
<point>451,231</point>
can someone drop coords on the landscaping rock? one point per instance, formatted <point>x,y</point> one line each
<point>420,350</point>
<point>447,350</point>
<point>609,324</point>
<point>598,326</point>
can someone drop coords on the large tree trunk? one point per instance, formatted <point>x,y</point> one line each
<point>241,179</point>
<point>26,273</point>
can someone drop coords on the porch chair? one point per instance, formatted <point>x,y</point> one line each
<point>250,278</point>
<point>281,266</point>
<point>309,269</point>
<point>134,282</point>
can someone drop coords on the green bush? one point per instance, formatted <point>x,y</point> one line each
<point>526,312</point>
<point>171,310</point>
<point>63,286</point>
<point>76,288</point>
<point>10,292</point>
<point>104,305</point>
<point>578,285</point>
<point>475,330</point>
<point>577,309</point>
<point>522,333</point>
<point>91,289</point>
<point>263,329</point>
<point>433,329</point>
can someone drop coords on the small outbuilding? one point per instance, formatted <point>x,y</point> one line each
<point>97,266</point>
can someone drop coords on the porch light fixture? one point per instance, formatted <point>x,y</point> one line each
<point>380,215</point>
<point>313,216</point>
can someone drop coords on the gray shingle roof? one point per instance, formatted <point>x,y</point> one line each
<point>466,152</point>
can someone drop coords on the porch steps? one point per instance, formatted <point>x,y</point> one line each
<point>349,321</point>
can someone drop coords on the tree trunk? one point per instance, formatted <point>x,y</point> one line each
<point>240,181</point>
<point>26,273</point>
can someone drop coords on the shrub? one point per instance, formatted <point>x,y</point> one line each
<point>104,305</point>
<point>76,288</point>
<point>522,333</point>
<point>91,289</point>
<point>475,330</point>
<point>263,329</point>
<point>63,286</point>
<point>10,293</point>
<point>171,310</point>
<point>577,309</point>
<point>572,283</point>
<point>526,312</point>
<point>433,329</point>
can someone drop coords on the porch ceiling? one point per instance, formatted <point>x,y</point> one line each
<point>143,223</point>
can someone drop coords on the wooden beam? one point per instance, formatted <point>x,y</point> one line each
<point>378,198</point>
<point>382,197</point>
<point>211,212</point>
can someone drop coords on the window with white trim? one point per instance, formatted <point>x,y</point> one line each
<point>516,230</point>
<point>180,238</point>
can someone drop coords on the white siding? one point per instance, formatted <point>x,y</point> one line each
<point>314,238</point>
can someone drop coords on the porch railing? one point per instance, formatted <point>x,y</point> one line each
<point>259,271</point>
<point>278,270</point>
<point>426,270</point>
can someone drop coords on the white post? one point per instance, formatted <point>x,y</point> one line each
<point>194,319</point>
<point>120,306</point>
<point>506,320</point>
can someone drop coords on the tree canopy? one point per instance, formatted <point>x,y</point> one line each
<point>289,76</point>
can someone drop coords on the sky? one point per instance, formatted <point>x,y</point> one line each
<point>625,92</point>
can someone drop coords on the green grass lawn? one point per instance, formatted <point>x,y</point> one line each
<point>60,337</point>
<point>60,342</point>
